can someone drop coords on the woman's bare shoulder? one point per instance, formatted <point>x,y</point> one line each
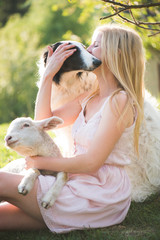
<point>121,104</point>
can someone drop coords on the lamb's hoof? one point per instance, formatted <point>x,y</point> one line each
<point>22,190</point>
<point>45,205</point>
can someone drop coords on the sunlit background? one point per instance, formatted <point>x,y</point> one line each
<point>27,26</point>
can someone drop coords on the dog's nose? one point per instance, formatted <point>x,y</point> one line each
<point>96,62</point>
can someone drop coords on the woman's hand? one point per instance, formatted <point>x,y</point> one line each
<point>56,59</point>
<point>38,162</point>
<point>30,162</point>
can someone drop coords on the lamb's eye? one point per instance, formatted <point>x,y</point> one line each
<point>26,125</point>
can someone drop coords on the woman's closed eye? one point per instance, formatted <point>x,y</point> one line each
<point>96,44</point>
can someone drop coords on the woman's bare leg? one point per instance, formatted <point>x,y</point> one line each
<point>13,218</point>
<point>21,212</point>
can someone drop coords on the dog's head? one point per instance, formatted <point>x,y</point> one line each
<point>79,61</point>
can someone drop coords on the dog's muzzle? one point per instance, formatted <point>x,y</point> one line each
<point>96,62</point>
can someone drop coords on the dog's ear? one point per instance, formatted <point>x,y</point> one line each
<point>45,54</point>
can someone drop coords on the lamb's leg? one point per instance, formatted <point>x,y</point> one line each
<point>51,196</point>
<point>28,181</point>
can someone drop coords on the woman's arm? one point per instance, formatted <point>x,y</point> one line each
<point>107,135</point>
<point>70,111</point>
<point>54,62</point>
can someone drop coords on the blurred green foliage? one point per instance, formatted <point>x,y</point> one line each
<point>21,42</point>
<point>26,31</point>
<point>9,7</point>
<point>7,155</point>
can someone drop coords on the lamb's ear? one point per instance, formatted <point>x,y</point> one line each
<point>49,123</point>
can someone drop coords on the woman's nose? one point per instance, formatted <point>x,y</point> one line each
<point>89,49</point>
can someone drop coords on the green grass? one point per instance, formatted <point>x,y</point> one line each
<point>141,223</point>
<point>6,155</point>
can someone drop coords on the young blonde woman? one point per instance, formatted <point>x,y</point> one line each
<point>106,126</point>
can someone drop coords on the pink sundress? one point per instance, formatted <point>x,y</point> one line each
<point>91,200</point>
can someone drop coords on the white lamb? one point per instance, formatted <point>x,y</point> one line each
<point>28,138</point>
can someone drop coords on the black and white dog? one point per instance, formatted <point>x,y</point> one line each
<point>74,78</point>
<point>75,75</point>
<point>80,61</point>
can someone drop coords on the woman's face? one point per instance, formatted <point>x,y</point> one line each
<point>95,47</point>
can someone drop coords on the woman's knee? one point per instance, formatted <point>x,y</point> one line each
<point>3,176</point>
<point>9,192</point>
<point>8,183</point>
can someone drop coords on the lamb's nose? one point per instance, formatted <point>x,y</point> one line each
<point>8,138</point>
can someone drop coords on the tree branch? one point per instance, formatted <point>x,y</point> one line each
<point>151,35</point>
<point>137,23</point>
<point>121,7</point>
<point>129,6</point>
<point>149,23</point>
<point>112,15</point>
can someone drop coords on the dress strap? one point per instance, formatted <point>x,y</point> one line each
<point>85,101</point>
<point>107,100</point>
<point>104,104</point>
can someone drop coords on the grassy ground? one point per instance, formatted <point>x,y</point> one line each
<point>141,223</point>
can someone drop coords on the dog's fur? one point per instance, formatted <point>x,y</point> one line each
<point>144,172</point>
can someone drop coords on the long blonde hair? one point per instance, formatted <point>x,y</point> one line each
<point>123,54</point>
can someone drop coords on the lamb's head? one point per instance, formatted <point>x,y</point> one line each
<point>25,135</point>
